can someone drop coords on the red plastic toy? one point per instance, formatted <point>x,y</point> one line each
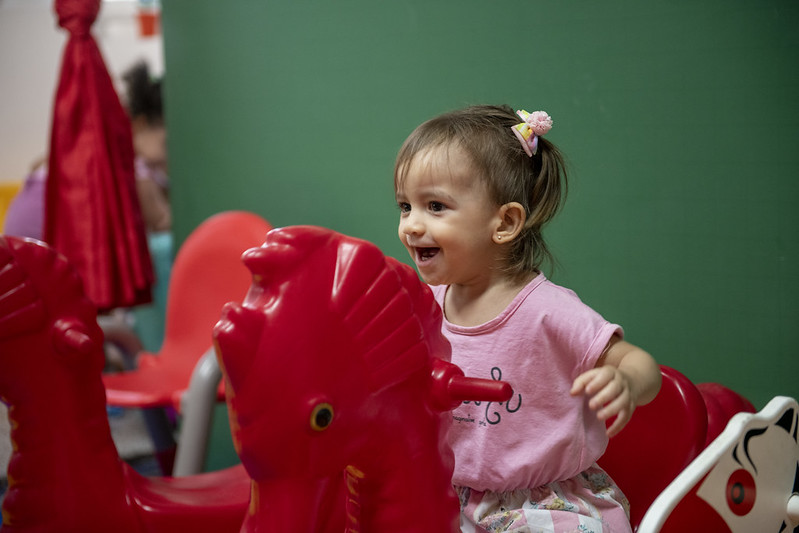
<point>337,381</point>
<point>746,480</point>
<point>64,473</point>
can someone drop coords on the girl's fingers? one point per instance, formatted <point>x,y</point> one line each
<point>616,406</point>
<point>608,394</point>
<point>617,425</point>
<point>591,381</point>
<point>580,382</point>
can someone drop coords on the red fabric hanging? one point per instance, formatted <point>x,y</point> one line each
<point>92,213</point>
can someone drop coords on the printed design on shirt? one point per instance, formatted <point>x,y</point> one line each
<point>493,412</point>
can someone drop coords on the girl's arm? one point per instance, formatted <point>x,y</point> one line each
<point>624,378</point>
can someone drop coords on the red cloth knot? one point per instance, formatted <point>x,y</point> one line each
<point>77,16</point>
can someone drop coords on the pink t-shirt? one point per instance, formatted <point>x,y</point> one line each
<point>540,343</point>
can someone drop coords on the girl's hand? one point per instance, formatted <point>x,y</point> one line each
<point>611,394</point>
<point>624,378</point>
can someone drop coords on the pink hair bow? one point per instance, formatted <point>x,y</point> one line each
<point>535,124</point>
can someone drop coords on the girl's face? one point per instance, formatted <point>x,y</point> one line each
<point>447,220</point>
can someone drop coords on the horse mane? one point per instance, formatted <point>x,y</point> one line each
<point>391,317</point>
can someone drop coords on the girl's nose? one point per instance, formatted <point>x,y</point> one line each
<point>411,225</point>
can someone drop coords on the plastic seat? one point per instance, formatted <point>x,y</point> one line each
<point>746,480</point>
<point>206,274</point>
<point>660,440</point>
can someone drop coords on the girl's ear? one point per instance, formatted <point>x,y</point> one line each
<point>511,222</point>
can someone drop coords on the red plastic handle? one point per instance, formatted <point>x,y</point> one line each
<point>451,387</point>
<point>462,388</point>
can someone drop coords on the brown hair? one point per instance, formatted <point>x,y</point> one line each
<point>538,183</point>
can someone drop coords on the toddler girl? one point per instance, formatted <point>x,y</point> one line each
<point>475,188</point>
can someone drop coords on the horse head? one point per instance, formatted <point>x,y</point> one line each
<point>328,327</point>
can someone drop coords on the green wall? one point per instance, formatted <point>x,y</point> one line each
<point>679,120</point>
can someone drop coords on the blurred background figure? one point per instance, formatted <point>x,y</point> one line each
<point>143,99</point>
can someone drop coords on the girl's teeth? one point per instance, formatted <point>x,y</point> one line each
<point>427,253</point>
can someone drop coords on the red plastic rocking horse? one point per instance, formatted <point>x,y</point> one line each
<point>353,438</point>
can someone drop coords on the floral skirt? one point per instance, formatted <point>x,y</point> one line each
<point>587,503</point>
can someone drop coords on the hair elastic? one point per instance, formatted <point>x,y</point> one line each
<point>535,124</point>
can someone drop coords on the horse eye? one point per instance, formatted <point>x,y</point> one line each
<point>741,492</point>
<point>321,416</point>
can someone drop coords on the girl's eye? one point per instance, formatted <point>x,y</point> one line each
<point>404,207</point>
<point>436,206</point>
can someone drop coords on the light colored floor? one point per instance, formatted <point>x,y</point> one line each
<point>130,434</point>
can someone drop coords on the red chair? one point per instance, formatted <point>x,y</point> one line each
<point>660,440</point>
<point>207,273</point>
